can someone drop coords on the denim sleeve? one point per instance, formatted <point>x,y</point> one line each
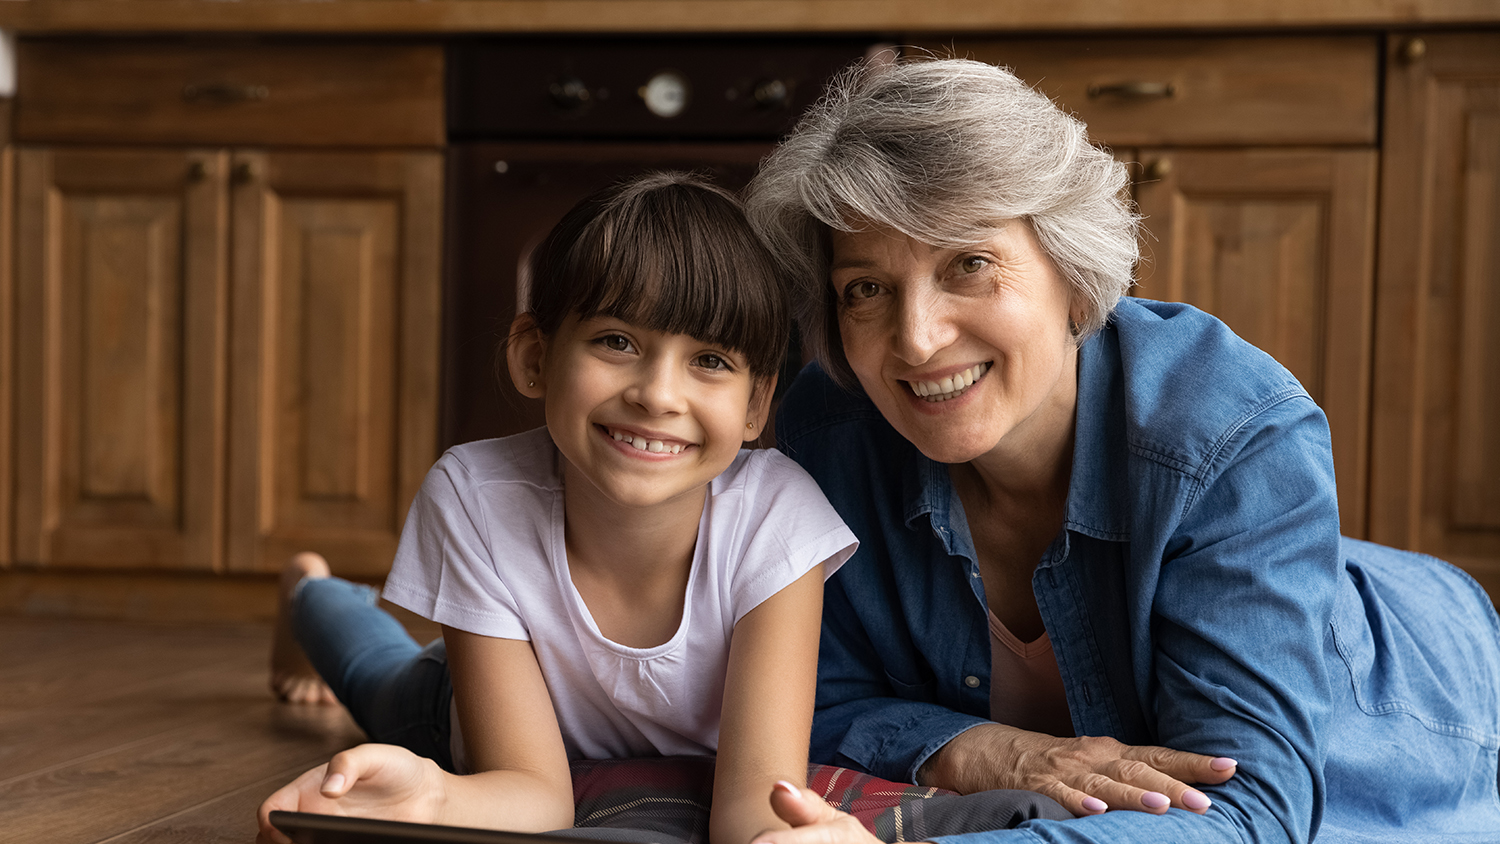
<point>863,721</point>
<point>1239,626</point>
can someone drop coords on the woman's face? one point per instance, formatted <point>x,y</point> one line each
<point>959,348</point>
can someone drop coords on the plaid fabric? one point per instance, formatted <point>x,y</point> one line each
<point>666,800</point>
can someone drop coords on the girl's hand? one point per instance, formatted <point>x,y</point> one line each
<point>1087,775</point>
<point>368,781</point>
<point>812,820</point>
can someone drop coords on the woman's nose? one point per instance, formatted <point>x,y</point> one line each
<point>923,327</point>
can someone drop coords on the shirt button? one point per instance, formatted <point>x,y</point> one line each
<point>971,681</point>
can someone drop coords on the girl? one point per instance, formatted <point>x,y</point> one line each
<point>624,582</point>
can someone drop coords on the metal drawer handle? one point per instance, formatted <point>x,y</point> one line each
<point>221,93</point>
<point>1134,90</point>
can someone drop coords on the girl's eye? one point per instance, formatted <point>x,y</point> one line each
<point>861,290</point>
<point>615,342</point>
<point>711,361</point>
<point>972,264</point>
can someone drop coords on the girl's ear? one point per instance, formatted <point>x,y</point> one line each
<point>760,407</point>
<point>525,349</point>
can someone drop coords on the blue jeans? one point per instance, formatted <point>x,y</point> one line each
<point>396,690</point>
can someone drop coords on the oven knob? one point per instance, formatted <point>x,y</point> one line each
<point>772,94</point>
<point>665,94</point>
<point>570,94</point>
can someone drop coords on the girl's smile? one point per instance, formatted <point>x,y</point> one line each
<point>637,443</point>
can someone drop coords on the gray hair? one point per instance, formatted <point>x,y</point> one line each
<point>944,151</point>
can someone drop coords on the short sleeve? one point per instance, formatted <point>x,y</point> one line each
<point>790,528</point>
<point>444,569</point>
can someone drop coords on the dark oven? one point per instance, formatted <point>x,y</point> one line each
<point>536,124</point>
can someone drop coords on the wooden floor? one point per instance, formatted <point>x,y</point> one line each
<point>132,733</point>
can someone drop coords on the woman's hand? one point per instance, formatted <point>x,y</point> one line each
<point>1086,775</point>
<point>369,781</point>
<point>812,820</point>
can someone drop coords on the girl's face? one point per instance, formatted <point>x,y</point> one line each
<point>647,418</point>
<point>958,348</point>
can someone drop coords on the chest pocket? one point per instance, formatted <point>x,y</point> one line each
<point>1423,647</point>
<point>922,688</point>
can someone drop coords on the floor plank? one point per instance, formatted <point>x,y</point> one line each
<point>131,733</point>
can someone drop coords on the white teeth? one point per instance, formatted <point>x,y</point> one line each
<point>643,444</point>
<point>951,387</point>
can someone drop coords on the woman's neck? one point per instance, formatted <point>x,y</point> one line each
<point>1033,463</point>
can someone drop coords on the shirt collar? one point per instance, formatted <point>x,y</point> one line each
<point>1099,493</point>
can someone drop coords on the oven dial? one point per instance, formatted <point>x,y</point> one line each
<point>665,94</point>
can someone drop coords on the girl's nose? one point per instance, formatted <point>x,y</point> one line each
<point>922,327</point>
<point>658,389</point>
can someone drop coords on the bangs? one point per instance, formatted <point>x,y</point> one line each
<point>667,253</point>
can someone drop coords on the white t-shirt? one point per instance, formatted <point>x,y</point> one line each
<point>483,552</point>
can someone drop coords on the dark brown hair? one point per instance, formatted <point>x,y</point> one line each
<point>669,252</point>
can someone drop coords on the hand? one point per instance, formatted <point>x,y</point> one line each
<point>813,821</point>
<point>368,781</point>
<point>1087,775</point>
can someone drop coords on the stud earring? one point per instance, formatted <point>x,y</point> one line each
<point>750,425</point>
<point>531,383</point>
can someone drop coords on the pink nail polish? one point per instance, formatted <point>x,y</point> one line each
<point>789,788</point>
<point>1196,800</point>
<point>1094,804</point>
<point>1223,763</point>
<point>1155,800</point>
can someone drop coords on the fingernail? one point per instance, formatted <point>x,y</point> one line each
<point>1155,800</point>
<point>333,783</point>
<point>1094,804</point>
<point>789,789</point>
<point>1196,800</point>
<point>1223,763</point>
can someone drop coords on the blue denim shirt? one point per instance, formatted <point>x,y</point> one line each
<point>1199,597</point>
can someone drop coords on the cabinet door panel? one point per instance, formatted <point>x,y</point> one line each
<point>1278,244</point>
<point>1436,447</point>
<point>334,403</point>
<point>120,361</point>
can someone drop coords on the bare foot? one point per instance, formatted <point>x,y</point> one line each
<point>292,676</point>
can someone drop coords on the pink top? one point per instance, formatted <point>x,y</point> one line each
<point>1026,688</point>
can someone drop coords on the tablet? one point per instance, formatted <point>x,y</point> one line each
<point>307,828</point>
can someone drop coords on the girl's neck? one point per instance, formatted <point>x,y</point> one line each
<point>630,565</point>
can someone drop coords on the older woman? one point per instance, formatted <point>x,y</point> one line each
<point>1092,527</point>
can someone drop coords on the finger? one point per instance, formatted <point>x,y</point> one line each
<point>347,768</point>
<point>1155,785</point>
<point>1182,766</point>
<point>1080,803</point>
<point>839,829</point>
<point>800,806</point>
<point>1120,795</point>
<point>286,799</point>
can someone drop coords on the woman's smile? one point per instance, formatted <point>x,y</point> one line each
<point>949,387</point>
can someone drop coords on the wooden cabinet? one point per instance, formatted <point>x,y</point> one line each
<point>224,354</point>
<point>1255,168</point>
<point>1278,243</point>
<point>121,301</point>
<point>333,355</point>
<point>1435,468</point>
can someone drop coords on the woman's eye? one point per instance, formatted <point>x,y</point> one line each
<point>615,342</point>
<point>972,264</point>
<point>861,290</point>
